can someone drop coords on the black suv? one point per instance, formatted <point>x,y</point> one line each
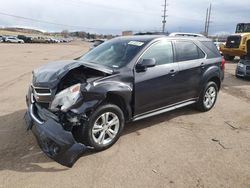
<point>84,103</point>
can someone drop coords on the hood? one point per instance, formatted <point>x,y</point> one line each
<point>49,75</point>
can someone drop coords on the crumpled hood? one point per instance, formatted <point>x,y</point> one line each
<point>49,75</point>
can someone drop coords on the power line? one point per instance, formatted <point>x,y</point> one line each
<point>111,8</point>
<point>53,23</point>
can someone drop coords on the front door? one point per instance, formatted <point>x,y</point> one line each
<point>156,87</point>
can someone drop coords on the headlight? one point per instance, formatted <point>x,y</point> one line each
<point>240,65</point>
<point>66,98</point>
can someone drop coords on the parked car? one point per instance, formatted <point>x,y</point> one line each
<point>13,40</point>
<point>243,69</point>
<point>179,34</point>
<point>39,40</point>
<point>1,39</point>
<point>25,38</point>
<point>79,104</point>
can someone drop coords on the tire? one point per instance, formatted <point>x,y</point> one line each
<point>204,97</point>
<point>96,121</point>
<point>229,58</point>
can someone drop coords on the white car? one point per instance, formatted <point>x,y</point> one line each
<point>13,40</point>
<point>175,34</point>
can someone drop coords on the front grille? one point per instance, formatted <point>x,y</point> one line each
<point>42,90</point>
<point>42,95</point>
<point>233,42</point>
<point>247,67</point>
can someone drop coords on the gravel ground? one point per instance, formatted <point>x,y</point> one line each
<point>182,148</point>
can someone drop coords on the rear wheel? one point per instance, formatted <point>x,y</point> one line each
<point>104,127</point>
<point>229,58</point>
<point>208,97</point>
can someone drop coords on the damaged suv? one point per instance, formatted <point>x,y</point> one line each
<point>84,103</point>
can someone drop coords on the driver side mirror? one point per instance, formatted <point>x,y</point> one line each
<point>143,64</point>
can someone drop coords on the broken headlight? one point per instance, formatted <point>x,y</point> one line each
<point>66,98</point>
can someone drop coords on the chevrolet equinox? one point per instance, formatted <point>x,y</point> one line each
<point>84,103</point>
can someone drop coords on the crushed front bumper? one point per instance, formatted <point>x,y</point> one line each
<point>55,142</point>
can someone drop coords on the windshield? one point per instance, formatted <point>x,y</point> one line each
<point>241,28</point>
<point>115,53</point>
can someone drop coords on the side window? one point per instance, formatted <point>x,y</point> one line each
<point>162,52</point>
<point>188,51</point>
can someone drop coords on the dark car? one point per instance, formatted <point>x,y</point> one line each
<point>79,104</point>
<point>243,69</point>
<point>25,38</point>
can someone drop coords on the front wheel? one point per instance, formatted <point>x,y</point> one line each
<point>104,127</point>
<point>208,97</point>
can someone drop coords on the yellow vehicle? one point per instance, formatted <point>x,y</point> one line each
<point>238,44</point>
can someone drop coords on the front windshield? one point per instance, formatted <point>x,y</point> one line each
<point>115,53</point>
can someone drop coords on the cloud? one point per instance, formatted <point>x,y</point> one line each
<point>112,16</point>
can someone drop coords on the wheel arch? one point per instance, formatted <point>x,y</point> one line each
<point>216,80</point>
<point>121,102</point>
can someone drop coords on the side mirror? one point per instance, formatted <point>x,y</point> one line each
<point>143,64</point>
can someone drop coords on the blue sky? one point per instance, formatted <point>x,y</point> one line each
<point>113,16</point>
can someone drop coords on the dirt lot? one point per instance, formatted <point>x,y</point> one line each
<point>183,148</point>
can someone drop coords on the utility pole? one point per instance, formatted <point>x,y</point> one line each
<point>207,22</point>
<point>164,16</point>
<point>209,16</point>
<point>205,30</point>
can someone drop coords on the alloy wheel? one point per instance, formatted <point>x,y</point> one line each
<point>209,97</point>
<point>106,128</point>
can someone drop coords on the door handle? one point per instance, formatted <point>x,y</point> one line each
<point>202,65</point>
<point>172,72</point>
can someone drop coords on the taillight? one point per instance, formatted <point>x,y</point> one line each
<point>223,63</point>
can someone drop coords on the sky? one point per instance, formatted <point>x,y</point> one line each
<point>114,16</point>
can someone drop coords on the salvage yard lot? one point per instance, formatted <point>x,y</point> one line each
<point>182,148</point>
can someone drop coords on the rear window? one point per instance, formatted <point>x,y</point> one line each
<point>187,50</point>
<point>214,52</point>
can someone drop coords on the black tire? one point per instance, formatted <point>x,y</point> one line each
<point>229,58</point>
<point>86,136</point>
<point>200,105</point>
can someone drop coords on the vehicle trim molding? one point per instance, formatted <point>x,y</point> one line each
<point>164,109</point>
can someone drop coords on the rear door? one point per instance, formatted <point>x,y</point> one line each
<point>191,61</point>
<point>156,87</point>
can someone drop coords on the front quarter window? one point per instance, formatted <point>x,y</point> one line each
<point>115,53</point>
<point>162,52</point>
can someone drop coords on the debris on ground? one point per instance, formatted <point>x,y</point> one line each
<point>218,141</point>
<point>230,125</point>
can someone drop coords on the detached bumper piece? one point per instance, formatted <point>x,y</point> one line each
<point>55,142</point>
